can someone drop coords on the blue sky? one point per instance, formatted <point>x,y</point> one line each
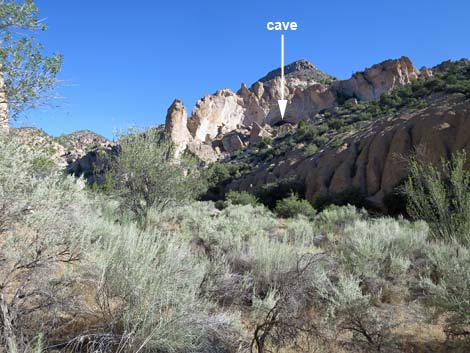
<point>125,62</point>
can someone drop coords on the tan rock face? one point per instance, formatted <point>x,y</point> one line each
<point>176,126</point>
<point>212,115</point>
<point>378,79</point>
<point>215,116</point>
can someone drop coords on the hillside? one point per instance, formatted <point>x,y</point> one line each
<point>255,238</point>
<point>360,148</point>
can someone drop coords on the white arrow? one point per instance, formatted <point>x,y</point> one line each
<point>282,102</point>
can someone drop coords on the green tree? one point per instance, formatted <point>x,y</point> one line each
<point>29,75</point>
<point>144,174</point>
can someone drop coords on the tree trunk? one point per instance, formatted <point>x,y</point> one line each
<point>6,320</point>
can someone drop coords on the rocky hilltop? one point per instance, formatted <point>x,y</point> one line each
<point>227,121</point>
<point>70,151</point>
<point>300,73</point>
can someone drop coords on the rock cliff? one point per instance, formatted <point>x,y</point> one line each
<point>307,89</point>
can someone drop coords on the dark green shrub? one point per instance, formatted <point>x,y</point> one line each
<point>270,193</point>
<point>396,200</point>
<point>292,206</point>
<point>351,196</point>
<point>241,198</point>
<point>220,204</point>
<point>265,142</point>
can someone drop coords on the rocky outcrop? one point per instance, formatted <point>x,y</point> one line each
<point>217,114</point>
<point>66,151</point>
<point>378,79</point>
<point>373,160</point>
<point>38,140</point>
<point>258,133</point>
<point>307,89</point>
<point>232,142</point>
<point>79,143</point>
<point>176,126</point>
<point>299,74</point>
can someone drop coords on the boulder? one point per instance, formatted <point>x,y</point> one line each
<point>232,143</point>
<point>257,133</point>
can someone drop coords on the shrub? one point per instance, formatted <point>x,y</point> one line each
<point>310,149</point>
<point>265,142</point>
<point>241,198</point>
<point>292,206</point>
<point>447,288</point>
<point>270,193</point>
<point>246,240</point>
<point>45,222</point>
<point>351,196</point>
<point>146,175</point>
<point>441,197</point>
<point>334,218</point>
<point>396,201</point>
<point>349,310</point>
<point>157,282</point>
<point>380,248</point>
<point>219,174</point>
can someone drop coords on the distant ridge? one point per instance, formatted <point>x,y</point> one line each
<point>301,69</point>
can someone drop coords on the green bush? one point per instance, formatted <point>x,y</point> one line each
<point>441,197</point>
<point>292,206</point>
<point>396,201</point>
<point>265,142</point>
<point>351,196</point>
<point>241,198</point>
<point>157,282</point>
<point>46,223</point>
<point>310,149</point>
<point>145,174</point>
<point>270,193</point>
<point>333,219</point>
<point>381,248</point>
<point>349,310</point>
<point>447,288</point>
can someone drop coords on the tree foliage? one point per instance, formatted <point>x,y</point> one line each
<point>440,195</point>
<point>29,75</point>
<point>145,175</point>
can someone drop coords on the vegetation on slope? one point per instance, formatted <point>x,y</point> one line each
<point>78,274</point>
<point>329,128</point>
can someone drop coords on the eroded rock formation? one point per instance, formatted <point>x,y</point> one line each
<point>307,89</point>
<point>373,160</point>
